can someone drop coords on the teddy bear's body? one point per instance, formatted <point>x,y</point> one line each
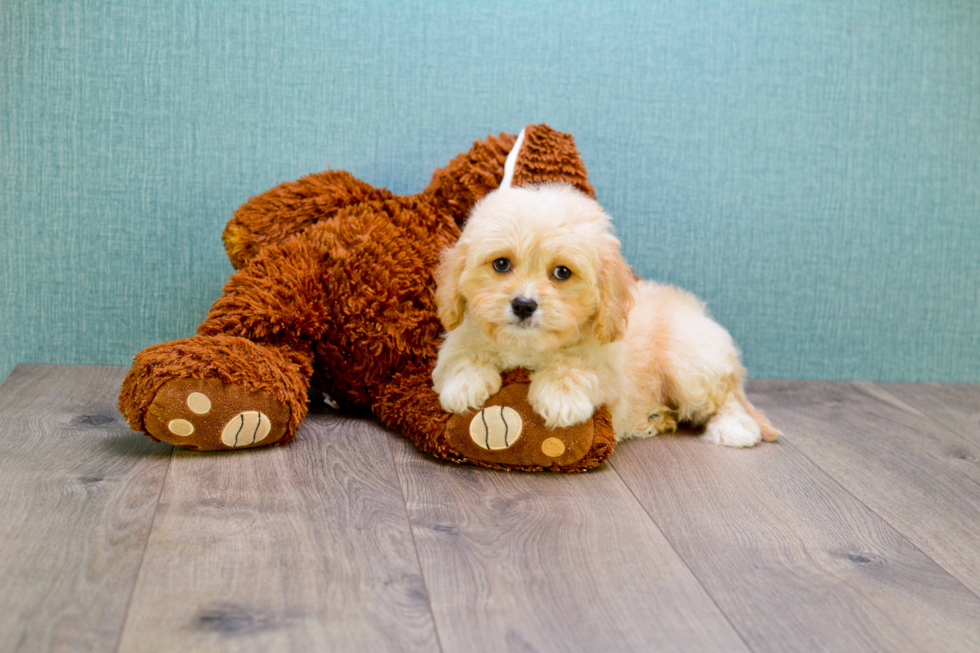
<point>334,289</point>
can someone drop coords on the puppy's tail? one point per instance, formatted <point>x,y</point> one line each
<point>769,432</point>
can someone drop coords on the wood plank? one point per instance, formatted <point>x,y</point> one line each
<point>550,562</point>
<point>902,462</point>
<point>955,406</point>
<point>793,560</point>
<point>78,492</point>
<point>305,547</point>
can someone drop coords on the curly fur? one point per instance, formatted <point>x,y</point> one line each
<point>334,288</point>
<point>674,362</point>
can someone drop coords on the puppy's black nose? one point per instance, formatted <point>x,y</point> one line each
<point>523,307</point>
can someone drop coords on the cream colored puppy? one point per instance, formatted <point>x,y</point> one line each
<point>537,281</point>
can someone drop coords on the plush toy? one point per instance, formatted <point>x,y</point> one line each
<point>334,290</point>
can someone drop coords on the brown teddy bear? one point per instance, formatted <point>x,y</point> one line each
<point>334,290</point>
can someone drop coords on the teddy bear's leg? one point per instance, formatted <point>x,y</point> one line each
<point>274,316</point>
<point>242,380</point>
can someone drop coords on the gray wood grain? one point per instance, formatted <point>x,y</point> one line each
<point>550,562</point>
<point>857,532</point>
<point>305,547</point>
<point>78,492</point>
<point>955,406</point>
<point>793,559</point>
<point>900,460</point>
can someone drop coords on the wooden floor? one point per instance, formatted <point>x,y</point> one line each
<point>858,531</point>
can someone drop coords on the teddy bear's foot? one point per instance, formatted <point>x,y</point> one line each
<point>506,433</point>
<point>509,433</point>
<point>216,392</point>
<point>209,415</point>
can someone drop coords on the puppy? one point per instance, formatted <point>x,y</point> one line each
<point>537,281</point>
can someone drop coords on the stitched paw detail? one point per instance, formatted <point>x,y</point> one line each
<point>206,414</point>
<point>496,427</point>
<point>246,428</point>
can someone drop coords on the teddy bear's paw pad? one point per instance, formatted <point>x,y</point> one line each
<point>199,403</point>
<point>208,415</point>
<point>553,447</point>
<point>508,431</point>
<point>496,428</point>
<point>180,427</point>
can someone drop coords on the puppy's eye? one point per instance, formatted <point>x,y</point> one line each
<point>561,273</point>
<point>501,265</point>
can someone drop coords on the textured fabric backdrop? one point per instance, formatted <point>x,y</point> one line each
<point>811,169</point>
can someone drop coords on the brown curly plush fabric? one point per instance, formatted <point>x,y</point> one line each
<point>290,208</point>
<point>334,289</point>
<point>550,156</point>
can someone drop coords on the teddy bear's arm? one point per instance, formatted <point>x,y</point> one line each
<point>456,188</point>
<point>292,207</point>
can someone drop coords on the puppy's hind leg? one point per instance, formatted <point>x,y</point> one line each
<point>769,432</point>
<point>658,419</point>
<point>732,425</point>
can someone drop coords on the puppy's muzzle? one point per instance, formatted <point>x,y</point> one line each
<point>523,307</point>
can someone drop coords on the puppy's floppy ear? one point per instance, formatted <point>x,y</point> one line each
<point>616,286</point>
<point>449,300</point>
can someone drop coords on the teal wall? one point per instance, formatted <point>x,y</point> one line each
<point>811,169</point>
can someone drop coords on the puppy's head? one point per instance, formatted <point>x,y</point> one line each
<point>537,267</point>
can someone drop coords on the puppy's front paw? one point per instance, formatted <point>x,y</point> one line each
<point>560,406</point>
<point>469,388</point>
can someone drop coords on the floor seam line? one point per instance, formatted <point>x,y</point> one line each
<point>149,533</point>
<point>680,557</point>
<point>411,532</point>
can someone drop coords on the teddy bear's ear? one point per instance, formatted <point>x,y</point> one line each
<point>549,156</point>
<point>449,300</point>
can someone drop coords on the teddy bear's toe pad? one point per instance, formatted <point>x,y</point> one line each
<point>496,428</point>
<point>208,415</point>
<point>246,428</point>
